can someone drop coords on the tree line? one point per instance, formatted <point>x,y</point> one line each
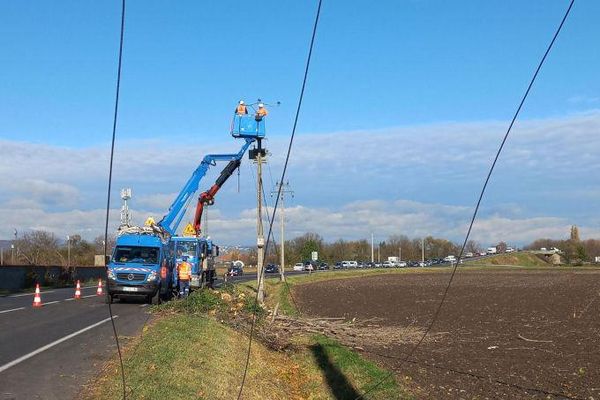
<point>44,248</point>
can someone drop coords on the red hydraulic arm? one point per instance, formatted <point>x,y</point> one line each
<point>208,197</point>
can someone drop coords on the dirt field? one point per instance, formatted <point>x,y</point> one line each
<point>501,334</point>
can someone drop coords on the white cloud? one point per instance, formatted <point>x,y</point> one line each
<point>415,180</point>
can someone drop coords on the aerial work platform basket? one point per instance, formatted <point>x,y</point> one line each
<point>247,126</point>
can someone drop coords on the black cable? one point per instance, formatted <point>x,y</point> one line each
<point>110,169</point>
<point>437,312</point>
<point>260,278</point>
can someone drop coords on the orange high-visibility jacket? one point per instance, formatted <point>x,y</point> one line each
<point>262,112</point>
<point>241,110</point>
<point>185,271</point>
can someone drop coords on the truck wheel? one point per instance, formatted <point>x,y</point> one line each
<point>108,299</point>
<point>155,300</point>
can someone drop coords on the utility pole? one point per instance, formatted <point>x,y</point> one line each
<point>283,189</point>
<point>423,250</point>
<point>379,253</point>
<point>399,253</point>
<point>259,154</point>
<point>372,249</point>
<point>68,252</point>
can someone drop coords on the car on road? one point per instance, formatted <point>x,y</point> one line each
<point>401,264</point>
<point>298,267</point>
<point>338,265</point>
<point>387,264</point>
<point>468,255</point>
<point>272,269</point>
<point>422,264</point>
<point>451,259</point>
<point>235,271</point>
<point>323,266</point>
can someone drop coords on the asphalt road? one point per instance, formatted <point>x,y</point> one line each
<point>50,352</point>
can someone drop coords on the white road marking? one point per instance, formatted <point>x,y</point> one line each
<point>71,299</point>
<point>144,305</point>
<point>11,310</point>
<point>30,294</point>
<point>52,302</point>
<point>50,345</point>
<point>89,295</point>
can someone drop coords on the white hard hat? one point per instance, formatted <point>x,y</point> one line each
<point>261,105</point>
<point>241,101</point>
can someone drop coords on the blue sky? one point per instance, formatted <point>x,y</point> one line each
<point>423,89</point>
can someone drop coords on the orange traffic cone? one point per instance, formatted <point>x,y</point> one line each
<point>78,290</point>
<point>99,291</point>
<point>37,299</point>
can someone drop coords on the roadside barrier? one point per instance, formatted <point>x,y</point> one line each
<point>78,290</point>
<point>37,299</point>
<point>99,291</point>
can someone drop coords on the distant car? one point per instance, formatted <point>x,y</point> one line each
<point>235,271</point>
<point>469,254</point>
<point>377,265</point>
<point>387,264</point>
<point>451,259</point>
<point>338,265</point>
<point>401,264</point>
<point>298,267</point>
<point>323,266</point>
<point>271,269</point>
<point>482,254</point>
<point>422,264</point>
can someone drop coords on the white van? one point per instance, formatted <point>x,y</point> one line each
<point>451,259</point>
<point>349,264</point>
<point>298,267</point>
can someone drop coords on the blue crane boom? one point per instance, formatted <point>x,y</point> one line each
<point>170,222</point>
<point>249,128</point>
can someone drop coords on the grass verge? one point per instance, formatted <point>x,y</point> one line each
<point>196,348</point>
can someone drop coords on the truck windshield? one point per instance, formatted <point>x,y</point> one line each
<point>136,254</point>
<point>186,249</point>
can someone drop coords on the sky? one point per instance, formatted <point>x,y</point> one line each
<point>405,105</point>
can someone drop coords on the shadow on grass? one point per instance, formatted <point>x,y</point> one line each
<point>340,386</point>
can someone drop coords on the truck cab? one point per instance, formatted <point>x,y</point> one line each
<point>200,253</point>
<point>139,266</point>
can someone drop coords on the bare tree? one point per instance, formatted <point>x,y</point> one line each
<point>39,248</point>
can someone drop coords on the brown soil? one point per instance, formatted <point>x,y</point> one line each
<point>501,334</point>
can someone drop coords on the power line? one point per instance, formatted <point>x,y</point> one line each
<point>487,179</point>
<point>110,170</point>
<point>287,158</point>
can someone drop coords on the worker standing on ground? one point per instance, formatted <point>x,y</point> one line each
<point>185,275</point>
<point>261,112</point>
<point>241,108</point>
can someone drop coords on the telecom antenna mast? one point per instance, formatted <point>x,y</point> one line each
<point>125,213</point>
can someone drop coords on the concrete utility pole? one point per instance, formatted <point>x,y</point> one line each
<point>283,189</point>
<point>259,154</point>
<point>372,249</point>
<point>399,253</point>
<point>422,249</point>
<point>68,251</point>
<point>379,253</point>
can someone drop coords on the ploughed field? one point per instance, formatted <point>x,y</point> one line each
<point>513,334</point>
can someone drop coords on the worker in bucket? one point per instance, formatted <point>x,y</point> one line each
<point>185,275</point>
<point>241,108</point>
<point>261,112</point>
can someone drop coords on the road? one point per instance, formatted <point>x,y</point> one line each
<point>50,352</point>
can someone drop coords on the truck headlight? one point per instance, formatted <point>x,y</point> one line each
<point>152,276</point>
<point>111,275</point>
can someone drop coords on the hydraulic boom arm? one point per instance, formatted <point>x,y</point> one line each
<point>170,222</point>
<point>208,197</point>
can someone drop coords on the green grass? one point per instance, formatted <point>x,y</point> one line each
<point>347,375</point>
<point>520,259</point>
<point>190,352</point>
